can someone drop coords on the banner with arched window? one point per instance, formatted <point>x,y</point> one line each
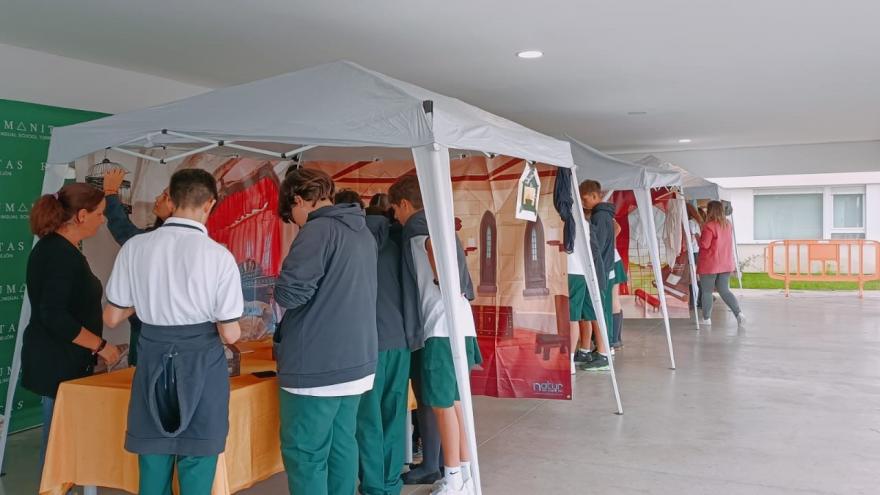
<point>518,267</point>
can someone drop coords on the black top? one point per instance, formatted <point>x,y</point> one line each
<point>65,296</point>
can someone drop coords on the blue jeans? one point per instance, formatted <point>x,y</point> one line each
<point>48,408</point>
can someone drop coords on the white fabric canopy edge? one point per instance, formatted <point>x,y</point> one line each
<point>337,104</point>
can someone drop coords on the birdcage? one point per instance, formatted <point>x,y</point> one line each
<point>95,177</point>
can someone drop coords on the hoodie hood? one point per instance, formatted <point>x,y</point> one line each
<point>349,214</point>
<point>603,208</point>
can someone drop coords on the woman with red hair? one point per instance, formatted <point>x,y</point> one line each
<point>63,337</point>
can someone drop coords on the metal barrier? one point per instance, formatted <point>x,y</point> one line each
<point>838,260</point>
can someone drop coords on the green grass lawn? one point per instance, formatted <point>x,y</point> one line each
<point>643,277</point>
<point>762,281</point>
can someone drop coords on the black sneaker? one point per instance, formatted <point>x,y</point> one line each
<point>409,478</point>
<point>582,357</point>
<point>599,363</point>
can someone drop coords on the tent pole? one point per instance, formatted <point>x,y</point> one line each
<point>435,178</point>
<point>52,181</point>
<point>739,274</point>
<point>686,225</point>
<point>582,245</point>
<point>645,206</point>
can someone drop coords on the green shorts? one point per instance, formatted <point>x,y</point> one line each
<point>439,386</point>
<point>580,306</point>
<point>619,273</point>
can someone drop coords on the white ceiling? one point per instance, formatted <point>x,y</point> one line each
<point>722,73</point>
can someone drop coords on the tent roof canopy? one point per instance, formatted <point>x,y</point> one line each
<point>616,174</point>
<point>693,186</point>
<point>337,104</point>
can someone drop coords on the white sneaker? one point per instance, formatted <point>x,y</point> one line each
<point>706,321</point>
<point>470,487</point>
<point>447,489</point>
<point>612,351</point>
<point>741,319</point>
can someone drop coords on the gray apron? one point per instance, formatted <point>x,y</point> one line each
<point>180,393</point>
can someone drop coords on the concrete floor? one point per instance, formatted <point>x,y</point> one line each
<point>788,405</point>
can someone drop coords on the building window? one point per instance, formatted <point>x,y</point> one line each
<point>849,211</point>
<point>788,216</point>
<point>533,256</point>
<point>488,260</point>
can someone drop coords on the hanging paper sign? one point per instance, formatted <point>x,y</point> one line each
<point>528,192</point>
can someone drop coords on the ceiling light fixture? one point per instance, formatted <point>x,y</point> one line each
<point>530,54</point>
<point>684,141</point>
<point>637,113</point>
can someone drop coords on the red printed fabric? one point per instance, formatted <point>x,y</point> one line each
<point>246,222</point>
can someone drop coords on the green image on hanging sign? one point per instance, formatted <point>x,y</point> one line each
<point>25,131</point>
<point>528,193</point>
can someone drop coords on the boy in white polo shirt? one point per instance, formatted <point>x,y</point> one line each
<point>186,290</point>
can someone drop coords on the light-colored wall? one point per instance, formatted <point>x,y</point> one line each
<point>39,77</point>
<point>752,250</point>
<point>863,156</point>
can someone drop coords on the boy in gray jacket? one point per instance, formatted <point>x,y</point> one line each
<point>327,339</point>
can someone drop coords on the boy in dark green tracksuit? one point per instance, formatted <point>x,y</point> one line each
<point>383,411</point>
<point>602,248</point>
<point>327,339</point>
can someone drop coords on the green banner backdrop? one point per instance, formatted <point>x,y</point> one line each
<point>25,129</point>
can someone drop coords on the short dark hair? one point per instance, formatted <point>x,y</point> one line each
<point>406,187</point>
<point>590,187</point>
<point>309,184</point>
<point>348,196</point>
<point>192,187</point>
<point>380,200</point>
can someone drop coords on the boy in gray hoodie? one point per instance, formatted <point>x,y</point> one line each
<point>381,418</point>
<point>601,216</point>
<point>327,339</point>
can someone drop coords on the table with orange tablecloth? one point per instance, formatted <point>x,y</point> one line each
<point>86,442</point>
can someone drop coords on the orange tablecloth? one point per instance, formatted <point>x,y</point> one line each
<point>88,433</point>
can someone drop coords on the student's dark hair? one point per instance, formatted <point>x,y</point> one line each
<point>380,200</point>
<point>406,187</point>
<point>51,211</point>
<point>348,196</point>
<point>590,187</point>
<point>192,187</point>
<point>309,184</point>
<point>715,213</point>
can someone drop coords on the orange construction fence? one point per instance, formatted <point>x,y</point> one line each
<point>835,260</point>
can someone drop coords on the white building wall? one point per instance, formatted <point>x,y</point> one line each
<point>751,251</point>
<point>39,77</point>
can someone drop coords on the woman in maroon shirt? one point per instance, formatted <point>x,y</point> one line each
<point>716,262</point>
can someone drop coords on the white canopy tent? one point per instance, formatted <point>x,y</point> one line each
<point>696,188</point>
<point>339,105</point>
<point>619,175</point>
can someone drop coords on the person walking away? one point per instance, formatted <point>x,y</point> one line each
<point>716,262</point>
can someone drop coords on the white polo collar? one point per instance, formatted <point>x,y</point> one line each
<point>178,222</point>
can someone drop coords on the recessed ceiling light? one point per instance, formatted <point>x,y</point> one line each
<point>684,141</point>
<point>637,113</point>
<point>530,54</point>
